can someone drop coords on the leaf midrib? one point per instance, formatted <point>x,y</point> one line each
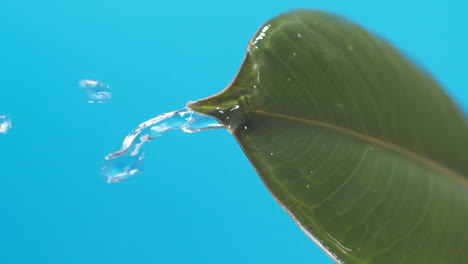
<point>376,141</point>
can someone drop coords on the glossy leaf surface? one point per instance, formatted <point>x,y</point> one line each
<point>362,148</point>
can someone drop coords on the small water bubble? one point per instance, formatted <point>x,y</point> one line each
<point>95,91</point>
<point>299,35</point>
<point>307,186</point>
<point>271,154</point>
<point>127,162</point>
<point>5,124</point>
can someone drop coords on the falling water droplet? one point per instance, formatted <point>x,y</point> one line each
<point>95,91</point>
<point>5,124</point>
<point>127,162</point>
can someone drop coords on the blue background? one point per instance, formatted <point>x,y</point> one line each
<point>199,200</point>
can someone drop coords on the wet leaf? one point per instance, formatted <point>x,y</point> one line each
<point>361,147</point>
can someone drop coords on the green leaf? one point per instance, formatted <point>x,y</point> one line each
<point>362,148</point>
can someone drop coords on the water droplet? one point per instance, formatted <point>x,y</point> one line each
<point>294,53</point>
<point>307,186</point>
<point>245,127</point>
<point>261,35</point>
<point>299,35</point>
<point>5,124</point>
<point>234,108</point>
<point>271,154</point>
<point>95,91</point>
<point>127,162</point>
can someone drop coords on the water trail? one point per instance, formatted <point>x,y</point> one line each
<point>5,124</point>
<point>95,91</point>
<point>127,162</point>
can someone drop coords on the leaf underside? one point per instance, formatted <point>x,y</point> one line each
<point>361,147</point>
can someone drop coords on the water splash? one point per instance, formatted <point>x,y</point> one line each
<point>5,124</point>
<point>95,91</point>
<point>127,162</point>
